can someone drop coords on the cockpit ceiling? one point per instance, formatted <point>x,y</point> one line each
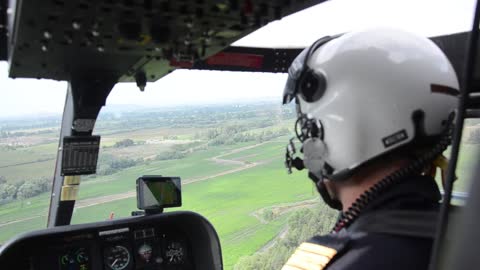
<point>57,38</point>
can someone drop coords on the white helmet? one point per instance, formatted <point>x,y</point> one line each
<point>362,94</point>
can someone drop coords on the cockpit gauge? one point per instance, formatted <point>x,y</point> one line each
<point>117,257</point>
<point>75,259</point>
<point>81,256</point>
<point>145,252</point>
<point>175,253</point>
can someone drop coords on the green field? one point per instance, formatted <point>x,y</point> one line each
<point>227,201</point>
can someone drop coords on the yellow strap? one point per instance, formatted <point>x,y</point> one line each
<point>70,187</point>
<point>309,256</point>
<point>69,193</point>
<point>71,180</point>
<point>441,162</point>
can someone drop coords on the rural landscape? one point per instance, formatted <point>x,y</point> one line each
<point>230,158</point>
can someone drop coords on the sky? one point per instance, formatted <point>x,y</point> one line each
<point>426,17</point>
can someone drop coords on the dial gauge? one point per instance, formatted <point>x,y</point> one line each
<point>145,252</point>
<point>117,257</point>
<point>75,259</point>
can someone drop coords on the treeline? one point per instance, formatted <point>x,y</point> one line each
<point>108,164</point>
<point>180,151</point>
<point>27,123</point>
<point>196,117</point>
<point>302,225</point>
<point>21,190</point>
<point>9,134</point>
<point>125,143</point>
<point>239,133</point>
<point>259,137</point>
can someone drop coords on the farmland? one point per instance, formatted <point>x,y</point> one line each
<point>230,159</point>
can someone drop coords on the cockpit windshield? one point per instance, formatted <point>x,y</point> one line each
<point>30,117</point>
<point>223,133</point>
<point>223,140</point>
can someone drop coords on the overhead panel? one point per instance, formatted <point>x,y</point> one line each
<point>54,39</point>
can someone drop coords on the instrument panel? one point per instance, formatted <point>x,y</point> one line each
<point>118,249</point>
<point>144,244</point>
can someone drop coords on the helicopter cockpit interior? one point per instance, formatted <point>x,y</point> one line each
<point>93,45</point>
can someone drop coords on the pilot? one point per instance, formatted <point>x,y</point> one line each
<point>374,115</point>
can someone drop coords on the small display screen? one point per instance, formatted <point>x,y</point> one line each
<point>154,192</point>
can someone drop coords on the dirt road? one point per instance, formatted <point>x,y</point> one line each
<point>280,210</point>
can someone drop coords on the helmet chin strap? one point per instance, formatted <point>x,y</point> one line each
<point>322,189</point>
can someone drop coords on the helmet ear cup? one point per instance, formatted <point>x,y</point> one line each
<point>312,85</point>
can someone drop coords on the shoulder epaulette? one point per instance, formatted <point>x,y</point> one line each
<point>316,253</point>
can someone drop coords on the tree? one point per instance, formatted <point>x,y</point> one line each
<point>124,143</point>
<point>171,155</point>
<point>268,215</point>
<point>7,191</point>
<point>302,225</point>
<point>26,190</point>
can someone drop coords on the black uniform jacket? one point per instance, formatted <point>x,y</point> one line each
<point>388,249</point>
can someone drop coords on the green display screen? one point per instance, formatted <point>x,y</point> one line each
<point>158,192</point>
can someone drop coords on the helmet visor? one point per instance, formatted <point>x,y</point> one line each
<point>294,72</point>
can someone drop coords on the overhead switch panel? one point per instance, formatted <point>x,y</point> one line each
<point>57,38</point>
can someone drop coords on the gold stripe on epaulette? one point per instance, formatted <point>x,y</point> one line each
<point>318,249</point>
<point>289,267</point>
<point>310,256</point>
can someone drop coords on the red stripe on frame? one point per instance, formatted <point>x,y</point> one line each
<point>181,64</point>
<point>236,59</point>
